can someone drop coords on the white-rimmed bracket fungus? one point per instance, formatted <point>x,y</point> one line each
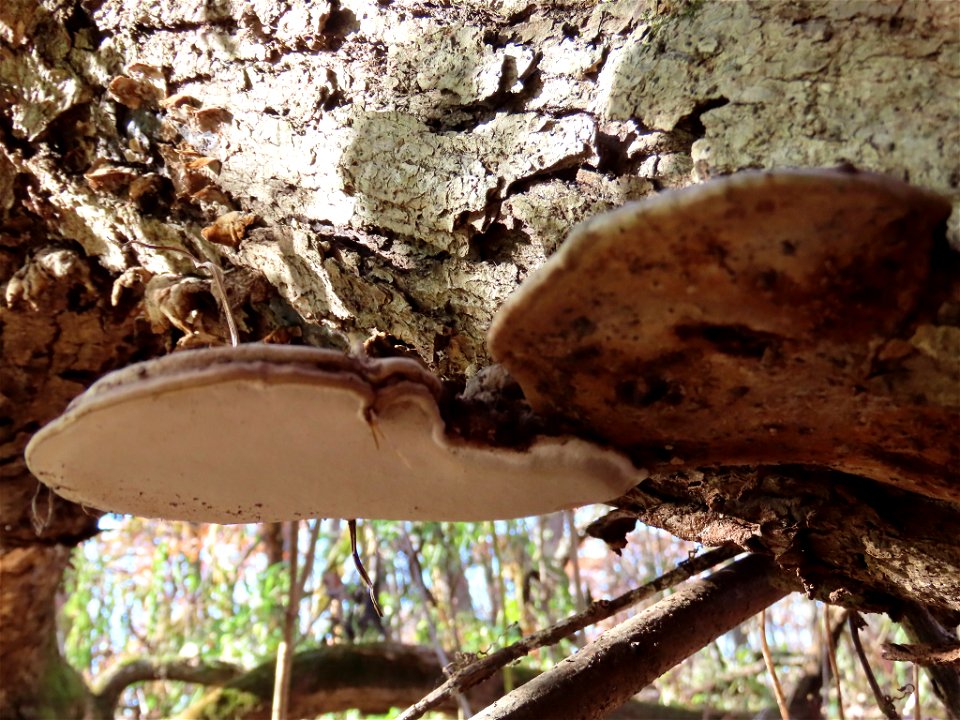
<point>267,432</point>
<point>755,319</point>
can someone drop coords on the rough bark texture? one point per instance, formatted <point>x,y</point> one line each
<point>851,541</point>
<point>408,165</point>
<point>58,332</point>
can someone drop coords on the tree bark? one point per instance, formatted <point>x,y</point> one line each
<point>408,165</point>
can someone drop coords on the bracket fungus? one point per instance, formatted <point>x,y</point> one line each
<point>747,321</point>
<point>271,432</point>
<point>753,320</point>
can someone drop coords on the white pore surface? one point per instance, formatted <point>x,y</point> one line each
<point>257,449</point>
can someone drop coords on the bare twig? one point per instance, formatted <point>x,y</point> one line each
<point>722,681</point>
<point>619,663</point>
<point>352,524</point>
<point>883,701</point>
<point>581,600</point>
<point>281,676</point>
<point>298,580</point>
<point>922,627</point>
<point>917,712</point>
<point>469,676</point>
<point>771,669</point>
<point>308,559</point>
<point>502,598</point>
<point>832,657</point>
<point>575,560</point>
<point>825,666</point>
<point>416,573</point>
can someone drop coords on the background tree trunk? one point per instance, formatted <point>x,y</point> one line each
<point>408,165</point>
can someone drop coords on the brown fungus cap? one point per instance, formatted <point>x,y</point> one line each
<point>267,433</point>
<point>739,322</point>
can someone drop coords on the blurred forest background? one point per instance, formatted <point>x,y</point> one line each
<point>215,597</point>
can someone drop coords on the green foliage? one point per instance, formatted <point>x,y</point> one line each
<point>64,694</point>
<point>222,704</point>
<point>149,589</point>
<point>84,617</point>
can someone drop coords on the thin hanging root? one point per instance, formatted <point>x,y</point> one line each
<point>220,291</point>
<point>352,524</point>
<point>216,274</point>
<point>832,657</point>
<point>40,524</point>
<point>370,415</point>
<point>771,668</point>
<point>884,701</point>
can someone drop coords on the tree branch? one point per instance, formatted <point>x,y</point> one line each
<point>923,653</point>
<point>482,669</point>
<point>771,668</point>
<point>883,701</point>
<point>922,627</point>
<point>615,666</point>
<point>125,674</point>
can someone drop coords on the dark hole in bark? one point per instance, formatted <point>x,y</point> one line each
<point>735,340</point>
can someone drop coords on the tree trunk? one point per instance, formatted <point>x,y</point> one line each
<point>408,165</point>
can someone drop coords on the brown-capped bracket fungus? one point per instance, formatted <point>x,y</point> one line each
<point>764,318</point>
<point>745,321</point>
<point>272,432</point>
